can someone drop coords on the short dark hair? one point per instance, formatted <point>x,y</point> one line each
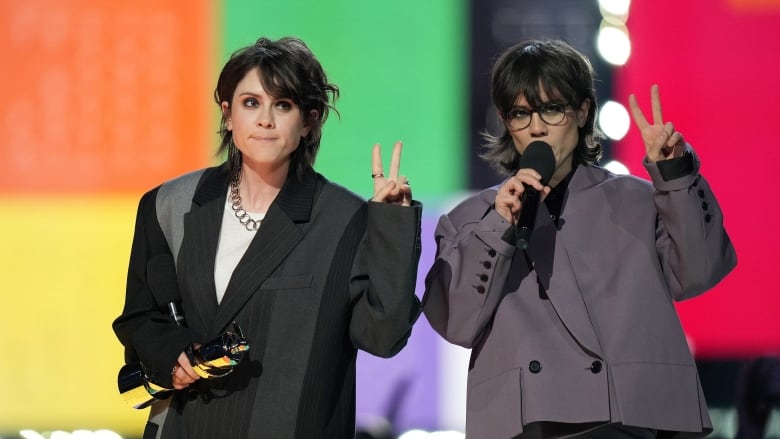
<point>527,69</point>
<point>288,69</point>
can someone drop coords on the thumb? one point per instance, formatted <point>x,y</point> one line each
<point>381,193</point>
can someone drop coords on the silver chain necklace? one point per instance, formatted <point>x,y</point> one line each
<point>238,209</point>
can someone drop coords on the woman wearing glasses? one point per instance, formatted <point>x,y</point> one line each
<point>575,333</point>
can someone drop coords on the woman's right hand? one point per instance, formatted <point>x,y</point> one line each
<point>510,194</point>
<point>183,374</point>
<point>393,189</point>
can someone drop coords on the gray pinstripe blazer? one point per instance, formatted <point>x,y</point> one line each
<point>326,274</point>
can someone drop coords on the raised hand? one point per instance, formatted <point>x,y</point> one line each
<point>392,188</point>
<point>661,140</point>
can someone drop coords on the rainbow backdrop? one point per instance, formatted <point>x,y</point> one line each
<point>104,100</point>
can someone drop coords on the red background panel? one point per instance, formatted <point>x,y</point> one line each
<point>718,70</point>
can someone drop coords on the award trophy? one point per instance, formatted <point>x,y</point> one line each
<point>214,359</point>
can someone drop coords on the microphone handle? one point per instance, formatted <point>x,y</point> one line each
<point>178,317</point>
<point>525,224</point>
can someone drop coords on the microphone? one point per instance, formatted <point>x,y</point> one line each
<point>538,156</point>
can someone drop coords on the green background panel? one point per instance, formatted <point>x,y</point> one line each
<point>401,68</point>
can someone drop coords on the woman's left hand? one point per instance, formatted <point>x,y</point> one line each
<point>661,140</point>
<point>393,189</point>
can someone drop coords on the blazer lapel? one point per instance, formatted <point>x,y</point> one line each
<point>199,246</point>
<point>568,280</point>
<point>275,239</point>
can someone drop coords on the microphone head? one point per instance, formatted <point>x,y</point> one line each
<point>161,276</point>
<point>539,156</point>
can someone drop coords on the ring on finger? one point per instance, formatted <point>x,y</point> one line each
<point>381,174</point>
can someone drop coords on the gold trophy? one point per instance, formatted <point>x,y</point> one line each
<point>214,359</point>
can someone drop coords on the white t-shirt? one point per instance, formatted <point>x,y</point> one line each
<point>234,239</point>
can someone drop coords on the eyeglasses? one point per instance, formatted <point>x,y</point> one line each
<point>520,118</point>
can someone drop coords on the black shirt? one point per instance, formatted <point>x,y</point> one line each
<point>554,200</point>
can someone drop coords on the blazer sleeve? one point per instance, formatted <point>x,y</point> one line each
<point>145,328</point>
<point>693,247</point>
<point>466,282</point>
<point>384,274</point>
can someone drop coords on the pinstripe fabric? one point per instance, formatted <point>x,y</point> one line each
<point>303,298</point>
<point>313,414</point>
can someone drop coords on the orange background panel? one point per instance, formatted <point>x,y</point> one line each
<point>104,96</point>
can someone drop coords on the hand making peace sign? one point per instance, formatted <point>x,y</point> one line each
<point>393,188</point>
<point>661,140</point>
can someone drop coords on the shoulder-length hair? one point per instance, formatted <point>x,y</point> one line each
<point>530,69</point>
<point>288,69</point>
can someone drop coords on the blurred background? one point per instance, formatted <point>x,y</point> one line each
<point>102,101</point>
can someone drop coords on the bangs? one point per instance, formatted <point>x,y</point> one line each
<point>539,85</point>
<point>533,74</point>
<point>278,81</point>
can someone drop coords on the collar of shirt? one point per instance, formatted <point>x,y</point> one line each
<point>554,200</point>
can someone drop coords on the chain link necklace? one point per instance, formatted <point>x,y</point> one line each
<point>235,204</point>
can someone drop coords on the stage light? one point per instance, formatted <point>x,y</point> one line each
<point>105,434</point>
<point>617,168</point>
<point>617,8</point>
<point>447,435</point>
<point>422,434</point>
<point>76,434</point>
<point>613,44</point>
<point>414,434</point>
<point>614,120</point>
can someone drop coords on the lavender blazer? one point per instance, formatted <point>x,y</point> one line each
<point>590,335</point>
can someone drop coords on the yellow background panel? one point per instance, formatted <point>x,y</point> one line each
<point>63,262</point>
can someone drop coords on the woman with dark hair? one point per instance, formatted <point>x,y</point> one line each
<point>568,79</point>
<point>573,330</point>
<point>306,271</point>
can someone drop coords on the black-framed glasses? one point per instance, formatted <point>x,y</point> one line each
<point>519,118</point>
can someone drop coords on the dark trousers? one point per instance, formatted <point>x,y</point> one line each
<point>757,394</point>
